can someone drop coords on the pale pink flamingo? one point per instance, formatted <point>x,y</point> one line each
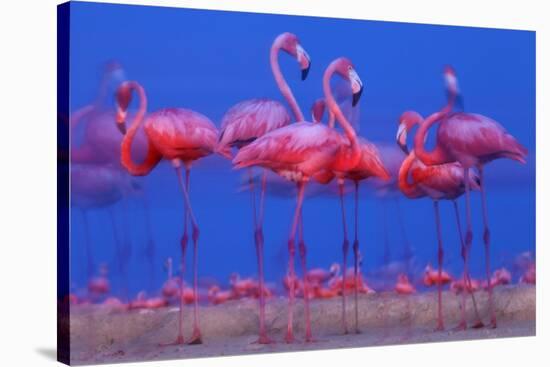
<point>300,151</point>
<point>181,136</point>
<point>370,165</point>
<point>472,140</point>
<point>440,182</point>
<point>250,119</point>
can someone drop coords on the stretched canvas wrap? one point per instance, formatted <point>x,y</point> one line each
<point>233,183</point>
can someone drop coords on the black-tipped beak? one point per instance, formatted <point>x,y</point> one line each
<point>356,97</point>
<point>305,71</point>
<point>121,127</point>
<point>404,148</point>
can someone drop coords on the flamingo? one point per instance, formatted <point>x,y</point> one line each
<point>440,182</point>
<point>473,140</point>
<point>300,151</point>
<point>370,165</point>
<point>250,119</point>
<point>181,136</point>
<point>403,285</point>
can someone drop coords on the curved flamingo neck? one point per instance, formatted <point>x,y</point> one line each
<point>411,190</point>
<point>281,82</point>
<point>438,154</point>
<point>334,109</point>
<point>153,157</point>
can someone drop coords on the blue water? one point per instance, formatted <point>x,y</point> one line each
<point>207,61</point>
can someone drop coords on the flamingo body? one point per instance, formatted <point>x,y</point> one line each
<point>179,133</point>
<point>296,151</point>
<point>250,119</point>
<point>474,139</point>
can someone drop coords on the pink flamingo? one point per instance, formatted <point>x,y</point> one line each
<point>300,151</point>
<point>250,119</point>
<point>181,136</point>
<point>441,182</point>
<point>472,140</point>
<point>370,165</point>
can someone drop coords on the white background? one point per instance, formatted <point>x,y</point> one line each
<point>28,180</point>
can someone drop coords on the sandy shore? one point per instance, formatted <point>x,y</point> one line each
<point>101,335</point>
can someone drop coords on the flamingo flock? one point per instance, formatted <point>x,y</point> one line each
<point>263,135</point>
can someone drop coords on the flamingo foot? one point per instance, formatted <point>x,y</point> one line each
<point>440,326</point>
<point>478,324</point>
<point>264,339</point>
<point>196,339</point>
<point>179,341</point>
<point>289,338</point>
<point>461,326</point>
<point>493,324</point>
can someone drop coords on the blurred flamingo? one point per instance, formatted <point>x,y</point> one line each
<point>250,119</point>
<point>440,182</point>
<point>472,140</point>
<point>370,165</point>
<point>181,136</point>
<point>300,151</point>
<point>403,285</point>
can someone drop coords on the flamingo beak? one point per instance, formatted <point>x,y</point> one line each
<point>304,61</point>
<point>356,97</point>
<point>401,138</point>
<point>121,127</point>
<point>356,86</point>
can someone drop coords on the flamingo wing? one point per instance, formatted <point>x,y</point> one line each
<point>479,138</point>
<point>181,133</point>
<point>301,147</point>
<point>370,163</point>
<point>250,119</point>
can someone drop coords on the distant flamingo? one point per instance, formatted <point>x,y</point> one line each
<point>403,285</point>
<point>181,136</point>
<point>441,182</point>
<point>370,165</point>
<point>302,150</point>
<point>472,140</point>
<point>250,119</point>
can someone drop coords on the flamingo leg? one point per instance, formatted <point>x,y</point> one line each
<point>407,245</point>
<point>88,245</point>
<point>303,252</point>
<point>440,325</point>
<point>196,338</point>
<point>345,247</point>
<point>467,281</point>
<point>291,252</point>
<point>387,250</point>
<point>150,248</point>
<point>126,248</point>
<point>356,257</point>
<point>487,241</point>
<point>118,252</point>
<point>259,242</point>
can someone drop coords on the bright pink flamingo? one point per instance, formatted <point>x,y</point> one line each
<point>300,151</point>
<point>250,119</point>
<point>440,182</point>
<point>181,136</point>
<point>370,165</point>
<point>472,140</point>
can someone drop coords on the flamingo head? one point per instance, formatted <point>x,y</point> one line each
<point>123,99</point>
<point>318,110</point>
<point>114,72</point>
<point>335,269</point>
<point>407,121</point>
<point>451,85</point>
<point>344,67</point>
<point>475,180</point>
<point>290,43</point>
